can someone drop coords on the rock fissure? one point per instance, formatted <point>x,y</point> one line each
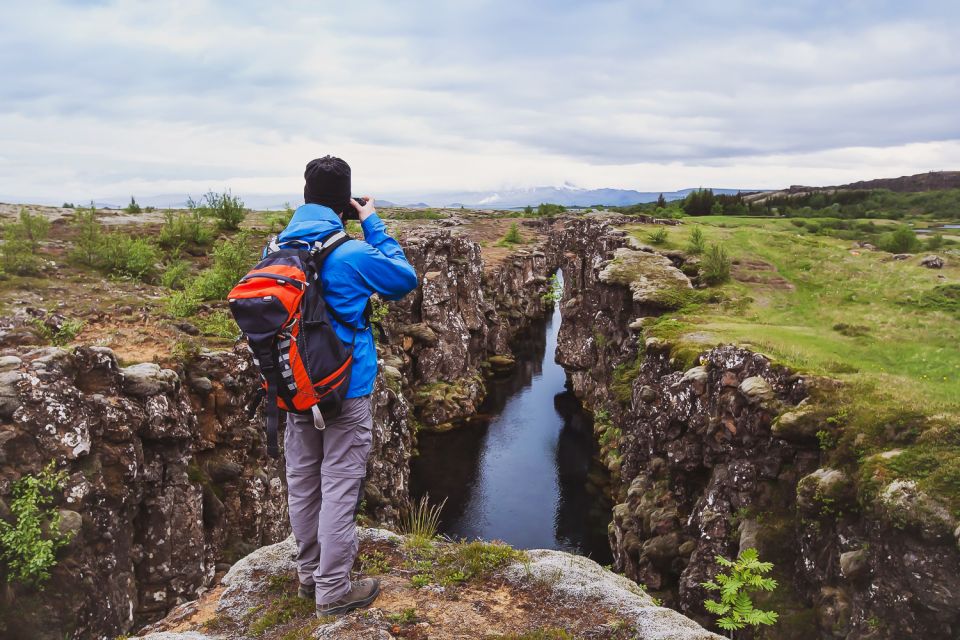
<point>711,451</point>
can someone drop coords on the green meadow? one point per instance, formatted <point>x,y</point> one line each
<point>888,330</point>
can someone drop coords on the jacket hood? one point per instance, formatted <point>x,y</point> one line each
<point>310,222</point>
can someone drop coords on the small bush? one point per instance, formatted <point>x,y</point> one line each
<point>114,252</point>
<point>125,255</point>
<point>901,240</point>
<point>697,243</point>
<point>184,229</point>
<point>29,545</point>
<point>943,297</point>
<point>935,241</point>
<point>219,324</point>
<point>716,265</point>
<point>658,236</point>
<point>279,220</point>
<point>61,336</point>
<point>133,207</point>
<point>32,229</point>
<point>226,208</point>
<point>513,235</point>
<point>231,261</point>
<point>416,214</point>
<point>86,246</point>
<point>554,292</point>
<point>21,240</point>
<point>181,304</point>
<point>175,275</point>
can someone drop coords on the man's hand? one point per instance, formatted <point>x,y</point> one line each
<point>365,210</point>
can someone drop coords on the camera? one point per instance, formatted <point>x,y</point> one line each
<point>349,213</point>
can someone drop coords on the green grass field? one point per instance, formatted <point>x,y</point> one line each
<point>889,330</point>
<point>818,305</point>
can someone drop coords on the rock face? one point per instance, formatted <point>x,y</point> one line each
<point>168,478</point>
<point>442,338</point>
<point>163,483</point>
<point>714,450</point>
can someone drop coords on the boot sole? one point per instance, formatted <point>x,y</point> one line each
<point>350,606</point>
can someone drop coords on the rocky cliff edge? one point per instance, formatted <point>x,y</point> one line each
<point>432,589</point>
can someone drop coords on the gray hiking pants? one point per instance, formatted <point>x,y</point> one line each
<point>324,473</point>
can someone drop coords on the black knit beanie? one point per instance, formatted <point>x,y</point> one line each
<point>328,183</point>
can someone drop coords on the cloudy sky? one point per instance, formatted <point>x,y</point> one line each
<point>100,99</point>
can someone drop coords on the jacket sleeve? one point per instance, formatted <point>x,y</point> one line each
<point>383,266</point>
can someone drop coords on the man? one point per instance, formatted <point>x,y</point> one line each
<point>325,468</point>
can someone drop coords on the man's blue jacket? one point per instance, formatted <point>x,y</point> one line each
<point>351,274</point>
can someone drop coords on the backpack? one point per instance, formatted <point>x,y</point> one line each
<point>279,306</point>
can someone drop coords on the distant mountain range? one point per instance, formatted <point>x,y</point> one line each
<point>568,196</point>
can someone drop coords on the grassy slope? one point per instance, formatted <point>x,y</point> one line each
<point>816,305</point>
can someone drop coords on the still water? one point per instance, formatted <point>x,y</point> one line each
<point>523,470</point>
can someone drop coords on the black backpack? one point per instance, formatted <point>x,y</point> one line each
<point>279,307</point>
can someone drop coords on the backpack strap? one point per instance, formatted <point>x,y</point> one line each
<point>322,249</point>
<point>273,418</point>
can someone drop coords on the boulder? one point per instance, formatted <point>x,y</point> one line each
<point>823,491</point>
<point>148,379</point>
<point>796,425</point>
<point>932,262</point>
<point>420,332</point>
<point>9,402</point>
<point>853,564</point>
<point>757,390</point>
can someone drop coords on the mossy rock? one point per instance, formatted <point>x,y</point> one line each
<point>651,278</point>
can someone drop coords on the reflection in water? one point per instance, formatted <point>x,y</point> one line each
<point>521,471</point>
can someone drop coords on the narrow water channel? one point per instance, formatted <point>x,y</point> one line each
<point>522,471</point>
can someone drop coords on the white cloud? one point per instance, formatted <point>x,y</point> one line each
<point>105,99</point>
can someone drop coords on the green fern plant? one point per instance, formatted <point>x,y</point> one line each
<point>745,575</point>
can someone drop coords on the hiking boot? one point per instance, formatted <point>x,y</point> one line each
<point>362,593</point>
<point>307,591</point>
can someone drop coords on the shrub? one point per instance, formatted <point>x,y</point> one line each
<point>716,265</point>
<point>279,220</point>
<point>176,274</point>
<point>554,292</point>
<point>220,324</point>
<point>21,239</point>
<point>60,336</point>
<point>181,304</point>
<point>735,608</point>
<point>901,240</point>
<point>29,545</point>
<point>184,228</point>
<point>225,207</point>
<point>513,235</point>
<point>697,243</point>
<point>231,260</point>
<point>31,229</point>
<point>547,209</point>
<point>935,241</point>
<point>658,236</point>
<point>133,207</point>
<point>114,252</point>
<point>125,255</point>
<point>86,246</point>
<point>416,214</point>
